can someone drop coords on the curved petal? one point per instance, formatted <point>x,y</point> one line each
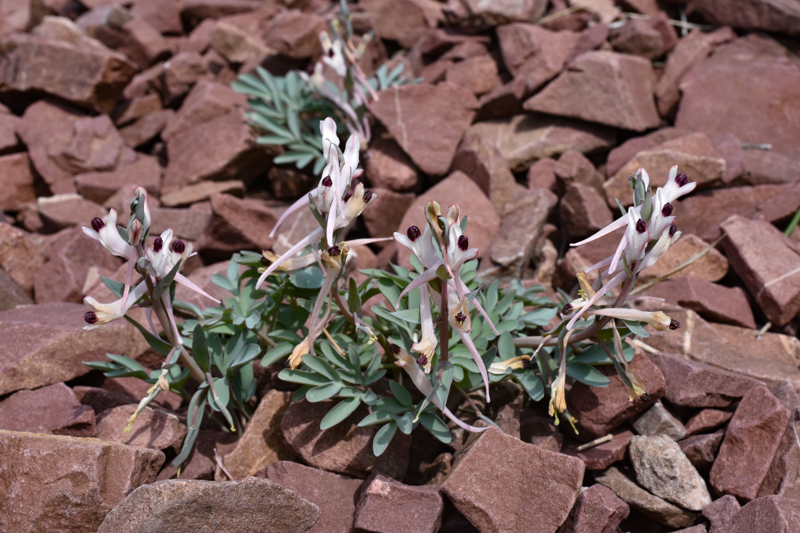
<point>301,202</point>
<point>308,239</point>
<point>467,340</point>
<point>425,277</point>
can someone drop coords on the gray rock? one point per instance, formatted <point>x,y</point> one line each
<point>182,506</point>
<point>642,501</point>
<point>658,421</point>
<point>662,468</point>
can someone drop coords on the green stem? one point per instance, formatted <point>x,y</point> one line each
<point>793,223</point>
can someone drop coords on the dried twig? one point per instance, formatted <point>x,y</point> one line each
<point>595,442</point>
<point>221,466</point>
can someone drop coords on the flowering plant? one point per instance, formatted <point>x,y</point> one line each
<point>437,326</point>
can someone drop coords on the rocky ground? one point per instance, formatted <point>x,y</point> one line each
<point>531,116</point>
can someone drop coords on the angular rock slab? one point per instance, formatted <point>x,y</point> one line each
<point>55,483</point>
<point>597,510</point>
<point>152,429</point>
<point>701,450</point>
<point>427,121</point>
<point>39,411</point>
<point>720,512</point>
<point>502,484</point>
<point>775,514</point>
<point>663,469</point>
<point>388,506</point>
<point>753,436</point>
<point>603,87</point>
<point>249,506</point>
<point>658,421</point>
<point>46,343</point>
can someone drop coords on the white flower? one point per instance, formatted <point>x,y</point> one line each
<point>333,56</point>
<point>657,319</point>
<point>104,313</point>
<point>105,232</point>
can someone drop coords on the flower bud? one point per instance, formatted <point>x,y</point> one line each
<point>422,360</point>
<point>461,317</point>
<point>327,181</point>
<point>640,226</point>
<point>348,196</point>
<point>157,244</point>
<point>367,196</point>
<point>98,224</point>
<point>681,179</point>
<point>567,310</point>
<point>674,324</point>
<point>672,229</point>
<point>178,247</point>
<point>334,251</point>
<point>666,210</point>
<point>463,243</point>
<point>413,233</point>
<point>90,317</point>
<point>394,348</point>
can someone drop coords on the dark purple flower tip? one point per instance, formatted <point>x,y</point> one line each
<point>413,233</point>
<point>640,226</point>
<point>394,348</point>
<point>422,360</point>
<point>266,262</point>
<point>567,310</point>
<point>666,210</point>
<point>334,251</point>
<point>98,224</point>
<point>463,243</point>
<point>158,244</point>
<point>178,247</point>
<point>310,70</point>
<point>681,179</point>
<point>330,53</point>
<point>348,196</point>
<point>90,317</point>
<point>367,196</point>
<point>674,324</point>
<point>460,317</point>
<point>672,229</point>
<point>645,397</point>
<point>327,181</point>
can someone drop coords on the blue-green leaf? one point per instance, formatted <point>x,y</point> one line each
<point>586,374</point>
<point>323,392</point>
<point>434,424</point>
<point>383,437</point>
<point>339,412</point>
<point>401,393</point>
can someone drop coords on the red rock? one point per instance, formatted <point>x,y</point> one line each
<point>601,409</point>
<point>541,174</point>
<point>217,150</point>
<point>99,186</point>
<point>192,505</point>
<point>694,155</point>
<point>165,18</point>
<point>711,267</point>
<point>457,188</point>
<point>750,443</point>
<point>101,399</point>
<point>477,74</point>
<point>179,74</point>
<point>771,513</point>
<point>146,128</point>
<point>502,484</point>
<point>136,108</point>
<point>146,82</point>
<point>9,142</point>
<point>55,482</point>
<point>237,224</point>
<point>66,210</point>
<point>427,121</point>
<point>16,181</point>
<point>295,34</point>
<point>736,74</point>
<point>206,101</point>
<point>193,11</point>
<point>466,50</point>
<point>705,420</point>
<point>766,260</point>
<point>619,156</point>
<point>385,505</point>
<point>237,45</point>
<point>590,38</point>
<point>287,183</point>
<point>388,167</point>
<point>62,143</point>
<point>188,224</point>
<point>142,43</point>
<point>201,462</point>
<point>385,213</point>
<point>713,302</point>
<point>533,53</point>
<point>11,294</point>
<point>88,76</point>
<point>720,512</point>
<point>201,192</point>
<point>523,139</point>
<point>504,101</point>
<point>696,384</point>
<point>574,167</point>
<point>642,37</point>
<point>21,255</point>
<point>583,211</point>
<point>335,495</point>
<point>39,411</point>
<point>474,14</point>
<point>597,510</point>
<point>344,448</point>
<point>404,21</point>
<point>624,84</point>
<point>767,15</point>
<point>480,160</point>
<point>539,431</point>
<point>152,429</point>
<point>603,455</point>
<point>688,52</point>
<point>82,424</point>
<point>783,476</point>
<point>659,421</point>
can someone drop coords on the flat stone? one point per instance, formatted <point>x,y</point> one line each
<point>767,15</point>
<point>482,161</point>
<point>624,84</point>
<point>387,166</point>
<point>720,512</point>
<point>701,450</point>
<point>522,139</point>
<point>262,443</point>
<point>574,167</point>
<point>100,186</point>
<point>478,74</point>
<point>783,476</point>
<point>11,294</point>
<point>17,181</point>
<point>601,409</point>
<point>539,431</point>
<point>771,513</point>
<point>459,189</point>
<point>152,429</point>
<point>237,224</point>
<point>503,484</point>
<point>101,399</point>
<point>201,463</point>
<point>386,212</point>
<point>237,45</point>
<point>345,448</point>
<point>695,384</point>
<point>663,469</point>
<point>52,483</point>
<point>658,421</point>
<point>474,14</point>
<point>711,267</point>
<point>597,510</point>
<point>186,223</point>
<point>39,411</point>
<point>176,505</point>
<point>404,21</point>
<point>427,121</point>
<point>335,495</point>
<point>699,528</point>
<point>178,75</point>
<point>751,440</point>
<point>287,183</point>
<point>642,501</point>
<point>206,101</point>
<point>712,301</point>
<point>534,54</point>
<point>707,419</point>
<point>766,260</point>
<point>46,343</point>
<point>583,211</point>
<point>21,254</point>
<point>541,174</point>
<point>388,506</point>
<point>603,455</point>
<point>66,210</point>
<point>9,142</point>
<point>644,37</point>
<point>146,128</point>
